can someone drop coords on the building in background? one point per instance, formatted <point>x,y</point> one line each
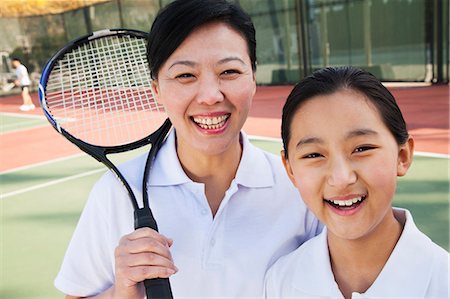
<point>396,40</point>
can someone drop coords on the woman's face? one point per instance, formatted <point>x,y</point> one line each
<point>345,163</point>
<point>206,87</point>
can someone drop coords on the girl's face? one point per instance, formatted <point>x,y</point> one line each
<point>206,87</point>
<point>344,161</point>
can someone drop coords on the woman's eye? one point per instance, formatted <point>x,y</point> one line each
<point>230,72</point>
<point>184,76</point>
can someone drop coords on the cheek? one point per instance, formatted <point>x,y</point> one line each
<point>240,92</point>
<point>382,177</point>
<point>308,184</point>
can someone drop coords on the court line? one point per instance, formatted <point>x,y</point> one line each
<point>42,163</point>
<point>33,116</point>
<point>51,183</point>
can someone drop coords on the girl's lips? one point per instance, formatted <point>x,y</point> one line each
<point>346,206</point>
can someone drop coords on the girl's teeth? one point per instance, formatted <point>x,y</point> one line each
<point>344,203</point>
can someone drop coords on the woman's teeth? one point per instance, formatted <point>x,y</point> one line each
<point>210,123</point>
<point>346,203</point>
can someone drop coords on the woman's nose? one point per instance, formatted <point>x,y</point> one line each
<point>209,91</point>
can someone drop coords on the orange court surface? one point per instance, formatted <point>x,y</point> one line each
<point>426,111</point>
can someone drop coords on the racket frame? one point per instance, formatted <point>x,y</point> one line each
<point>143,217</point>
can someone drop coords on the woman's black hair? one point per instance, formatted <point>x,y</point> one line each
<point>331,79</point>
<point>179,18</point>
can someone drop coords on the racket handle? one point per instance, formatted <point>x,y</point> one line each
<point>158,288</point>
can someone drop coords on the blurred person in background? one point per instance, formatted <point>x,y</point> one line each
<point>24,82</point>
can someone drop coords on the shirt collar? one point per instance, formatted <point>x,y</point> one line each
<point>254,169</point>
<point>406,274</point>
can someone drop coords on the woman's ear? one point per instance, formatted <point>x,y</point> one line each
<point>405,156</point>
<point>288,168</point>
<point>155,90</point>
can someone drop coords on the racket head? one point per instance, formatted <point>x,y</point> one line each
<point>97,90</point>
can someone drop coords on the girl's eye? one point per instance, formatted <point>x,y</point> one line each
<point>363,148</point>
<point>311,156</point>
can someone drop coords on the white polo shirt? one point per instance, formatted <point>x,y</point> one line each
<point>22,75</point>
<point>261,218</point>
<point>417,268</point>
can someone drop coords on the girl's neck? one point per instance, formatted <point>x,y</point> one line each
<point>216,172</point>
<point>357,263</point>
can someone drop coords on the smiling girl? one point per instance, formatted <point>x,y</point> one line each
<point>345,143</point>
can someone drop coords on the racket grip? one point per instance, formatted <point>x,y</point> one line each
<point>144,218</point>
<point>158,288</point>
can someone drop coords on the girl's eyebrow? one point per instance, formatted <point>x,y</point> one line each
<point>351,134</point>
<point>308,140</point>
<point>360,132</point>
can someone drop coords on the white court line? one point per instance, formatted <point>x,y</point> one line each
<point>51,183</point>
<point>42,163</point>
<point>432,155</point>
<point>34,116</point>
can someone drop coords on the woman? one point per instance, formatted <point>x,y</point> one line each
<point>225,209</point>
<point>345,144</point>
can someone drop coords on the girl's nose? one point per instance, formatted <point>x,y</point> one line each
<point>341,173</point>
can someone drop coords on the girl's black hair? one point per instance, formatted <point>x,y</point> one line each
<point>179,18</point>
<point>331,79</point>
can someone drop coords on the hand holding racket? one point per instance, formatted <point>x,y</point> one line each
<point>96,92</point>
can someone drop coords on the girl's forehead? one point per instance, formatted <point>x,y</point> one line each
<point>343,108</point>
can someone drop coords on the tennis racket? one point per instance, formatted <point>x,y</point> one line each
<point>8,86</point>
<point>96,92</point>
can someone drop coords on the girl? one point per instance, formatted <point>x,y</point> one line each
<point>345,142</point>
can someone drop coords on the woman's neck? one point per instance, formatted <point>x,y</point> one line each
<point>216,172</point>
<point>357,263</point>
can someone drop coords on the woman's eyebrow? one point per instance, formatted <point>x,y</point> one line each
<point>231,58</point>
<point>183,62</point>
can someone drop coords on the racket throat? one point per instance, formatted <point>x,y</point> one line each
<point>143,217</point>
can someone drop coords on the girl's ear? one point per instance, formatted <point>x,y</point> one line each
<point>405,156</point>
<point>288,168</point>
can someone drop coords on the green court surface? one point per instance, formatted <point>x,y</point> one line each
<point>10,122</point>
<point>40,207</point>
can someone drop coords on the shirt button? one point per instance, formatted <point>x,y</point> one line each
<point>212,242</point>
<point>204,212</point>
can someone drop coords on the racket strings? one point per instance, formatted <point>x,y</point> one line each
<point>101,92</point>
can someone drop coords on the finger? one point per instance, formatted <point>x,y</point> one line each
<point>141,273</point>
<point>144,232</point>
<point>149,259</point>
<point>144,245</point>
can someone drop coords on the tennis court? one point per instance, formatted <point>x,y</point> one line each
<point>42,200</point>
